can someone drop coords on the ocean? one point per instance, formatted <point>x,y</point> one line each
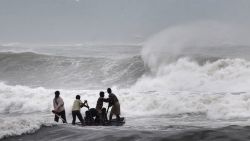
<point>192,92</point>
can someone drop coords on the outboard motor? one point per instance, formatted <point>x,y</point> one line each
<point>89,116</point>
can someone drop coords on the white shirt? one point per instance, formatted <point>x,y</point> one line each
<point>58,104</point>
<point>77,105</point>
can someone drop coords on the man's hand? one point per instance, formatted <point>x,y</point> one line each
<point>53,111</point>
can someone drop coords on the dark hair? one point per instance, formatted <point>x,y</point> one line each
<point>57,93</point>
<point>78,96</point>
<point>109,90</point>
<point>101,94</point>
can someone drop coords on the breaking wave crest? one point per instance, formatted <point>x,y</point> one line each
<point>204,56</point>
<point>223,75</point>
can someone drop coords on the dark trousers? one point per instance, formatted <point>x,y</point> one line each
<point>62,114</point>
<point>102,117</point>
<point>79,115</point>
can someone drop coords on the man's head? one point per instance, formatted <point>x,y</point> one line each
<point>57,93</point>
<point>78,97</point>
<point>101,94</point>
<point>109,90</point>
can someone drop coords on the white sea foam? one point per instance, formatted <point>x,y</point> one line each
<point>19,124</point>
<point>224,75</point>
<point>24,109</point>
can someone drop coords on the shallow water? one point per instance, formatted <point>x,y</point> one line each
<point>65,133</point>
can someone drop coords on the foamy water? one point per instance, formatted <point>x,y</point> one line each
<point>152,111</point>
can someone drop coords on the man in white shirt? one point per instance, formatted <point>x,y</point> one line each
<point>76,109</point>
<point>59,109</point>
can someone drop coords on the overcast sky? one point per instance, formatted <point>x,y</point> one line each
<point>41,21</point>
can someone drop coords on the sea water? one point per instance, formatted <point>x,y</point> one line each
<point>187,82</point>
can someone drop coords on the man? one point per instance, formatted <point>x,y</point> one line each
<point>59,109</point>
<point>101,112</point>
<point>77,105</point>
<point>114,103</point>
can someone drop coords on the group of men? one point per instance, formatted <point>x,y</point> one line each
<point>99,112</point>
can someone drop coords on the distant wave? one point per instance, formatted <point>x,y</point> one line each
<point>74,50</point>
<point>68,72</point>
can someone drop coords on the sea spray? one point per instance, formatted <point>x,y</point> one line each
<point>203,56</point>
<point>205,39</point>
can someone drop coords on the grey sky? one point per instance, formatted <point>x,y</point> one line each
<point>39,21</point>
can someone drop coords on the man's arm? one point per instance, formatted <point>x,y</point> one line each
<point>60,104</point>
<point>85,104</point>
<point>54,104</point>
<point>107,100</point>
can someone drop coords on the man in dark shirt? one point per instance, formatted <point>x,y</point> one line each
<point>101,112</point>
<point>114,103</point>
